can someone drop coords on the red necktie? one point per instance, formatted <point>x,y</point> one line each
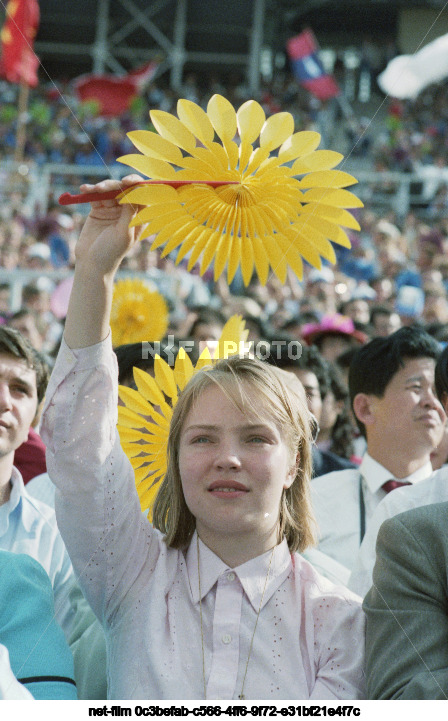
<point>392,485</point>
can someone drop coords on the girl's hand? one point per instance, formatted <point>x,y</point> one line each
<point>106,237</point>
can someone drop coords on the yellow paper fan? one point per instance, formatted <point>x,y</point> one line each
<point>143,421</point>
<point>257,223</point>
<point>139,313</point>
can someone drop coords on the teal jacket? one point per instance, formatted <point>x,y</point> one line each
<point>38,652</point>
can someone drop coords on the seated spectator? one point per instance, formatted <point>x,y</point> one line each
<point>333,335</point>
<point>39,656</point>
<point>406,611</point>
<point>391,383</point>
<point>430,491</point>
<point>384,321</point>
<point>26,526</point>
<point>26,322</point>
<point>337,432</point>
<point>315,376</point>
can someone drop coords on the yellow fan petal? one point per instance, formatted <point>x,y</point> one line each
<point>128,435</point>
<point>195,241</point>
<point>133,450</point>
<point>336,215</point>
<point>134,401</point>
<point>129,419</point>
<point>209,251</point>
<point>170,128</point>
<point>204,359</point>
<point>276,130</point>
<point>261,258</point>
<point>327,179</point>
<point>196,120</point>
<point>155,146</point>
<point>234,332</point>
<point>223,117</point>
<point>148,497</point>
<point>250,119</point>
<point>164,377</point>
<point>183,369</point>
<point>276,257</point>
<point>152,195</point>
<point>319,160</point>
<point>147,387</point>
<point>302,143</point>
<point>152,168</point>
<point>314,243</point>
<point>200,244</point>
<point>292,255</point>
<point>330,230</point>
<point>223,250</point>
<point>338,198</point>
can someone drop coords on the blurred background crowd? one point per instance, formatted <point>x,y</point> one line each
<point>395,274</point>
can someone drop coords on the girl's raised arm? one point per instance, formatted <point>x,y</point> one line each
<point>102,245</point>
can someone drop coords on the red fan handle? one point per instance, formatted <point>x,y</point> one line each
<point>69,199</point>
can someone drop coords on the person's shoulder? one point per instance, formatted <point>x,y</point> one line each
<point>346,477</point>
<point>20,567</point>
<point>317,587</point>
<point>325,462</point>
<point>35,511</point>
<point>432,490</point>
<point>428,518</point>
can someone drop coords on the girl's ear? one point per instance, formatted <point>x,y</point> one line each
<point>292,473</point>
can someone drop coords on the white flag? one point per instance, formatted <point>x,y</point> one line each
<point>407,75</point>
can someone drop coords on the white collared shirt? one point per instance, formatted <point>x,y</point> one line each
<point>336,503</point>
<point>432,490</point>
<point>29,526</point>
<point>309,637</point>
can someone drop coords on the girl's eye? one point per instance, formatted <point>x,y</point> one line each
<point>201,439</point>
<point>257,439</point>
<point>19,389</point>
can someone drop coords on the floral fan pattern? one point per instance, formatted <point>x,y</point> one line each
<point>288,202</point>
<point>139,313</point>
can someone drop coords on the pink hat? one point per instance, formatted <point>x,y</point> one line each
<point>335,324</point>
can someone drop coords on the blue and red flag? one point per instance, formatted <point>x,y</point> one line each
<point>307,67</point>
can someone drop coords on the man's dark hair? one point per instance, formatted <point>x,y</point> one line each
<point>380,310</point>
<point>309,360</point>
<point>14,344</point>
<point>132,355</point>
<point>207,316</point>
<point>375,364</point>
<point>441,374</point>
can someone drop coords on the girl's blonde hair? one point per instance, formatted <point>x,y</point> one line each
<point>241,380</point>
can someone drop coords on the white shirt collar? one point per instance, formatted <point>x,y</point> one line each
<point>375,474</point>
<point>252,574</point>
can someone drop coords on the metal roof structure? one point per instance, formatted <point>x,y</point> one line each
<point>115,36</point>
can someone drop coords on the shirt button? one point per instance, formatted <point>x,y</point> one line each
<point>230,576</point>
<point>226,638</point>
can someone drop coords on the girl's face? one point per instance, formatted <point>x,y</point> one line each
<point>233,467</point>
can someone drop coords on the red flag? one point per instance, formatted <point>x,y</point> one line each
<point>18,62</point>
<point>114,94</point>
<point>307,66</point>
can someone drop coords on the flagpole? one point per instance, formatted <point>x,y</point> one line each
<point>19,151</point>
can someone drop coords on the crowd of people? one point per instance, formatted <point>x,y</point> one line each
<point>280,471</point>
